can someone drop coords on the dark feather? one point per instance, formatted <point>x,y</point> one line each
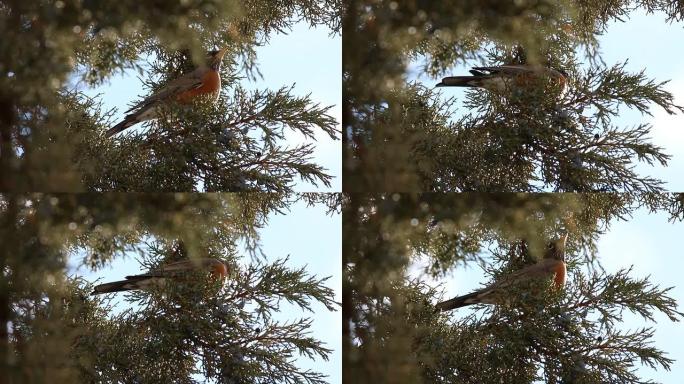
<point>127,122</point>
<point>117,286</point>
<point>456,302</point>
<point>459,81</point>
<point>147,275</point>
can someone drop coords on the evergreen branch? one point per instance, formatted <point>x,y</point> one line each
<point>276,281</point>
<point>608,88</point>
<point>273,111</point>
<point>610,294</point>
<point>607,356</point>
<point>195,148</point>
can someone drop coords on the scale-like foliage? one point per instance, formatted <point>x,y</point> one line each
<point>51,136</point>
<point>54,330</point>
<point>403,136</point>
<point>391,332</point>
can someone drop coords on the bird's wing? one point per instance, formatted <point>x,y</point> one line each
<point>544,268</point>
<point>491,293</point>
<point>183,265</point>
<point>146,275</point>
<point>513,69</point>
<point>172,269</point>
<point>189,264</point>
<point>131,282</point>
<point>188,81</point>
<point>168,269</point>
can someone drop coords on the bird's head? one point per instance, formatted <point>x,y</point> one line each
<point>556,249</point>
<point>219,269</point>
<point>215,57</point>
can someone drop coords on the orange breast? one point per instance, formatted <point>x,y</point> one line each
<point>525,79</point>
<point>561,81</point>
<point>219,271</point>
<point>536,79</point>
<point>559,278</point>
<point>211,83</point>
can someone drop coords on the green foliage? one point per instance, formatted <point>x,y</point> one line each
<point>52,135</point>
<point>403,136</point>
<point>210,331</point>
<point>233,145</point>
<point>198,328</point>
<point>391,332</point>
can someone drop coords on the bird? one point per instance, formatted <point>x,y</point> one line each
<point>551,266</point>
<point>503,77</point>
<point>204,80</point>
<point>159,276</point>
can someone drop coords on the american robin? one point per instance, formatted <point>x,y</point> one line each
<point>508,77</point>
<point>551,266</point>
<point>204,80</point>
<point>159,276</point>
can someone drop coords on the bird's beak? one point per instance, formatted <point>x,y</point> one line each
<point>562,241</point>
<point>220,53</point>
<point>215,60</point>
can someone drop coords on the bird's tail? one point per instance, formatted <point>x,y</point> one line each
<point>131,282</point>
<point>127,122</point>
<point>460,81</point>
<point>114,286</point>
<point>457,302</point>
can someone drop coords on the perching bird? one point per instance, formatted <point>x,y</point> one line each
<point>504,77</point>
<point>205,80</point>
<point>159,276</point>
<point>551,266</point>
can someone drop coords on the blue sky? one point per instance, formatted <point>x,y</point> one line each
<point>312,240</point>
<point>646,241</point>
<point>650,244</point>
<point>309,58</point>
<point>652,45</point>
<point>312,59</point>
